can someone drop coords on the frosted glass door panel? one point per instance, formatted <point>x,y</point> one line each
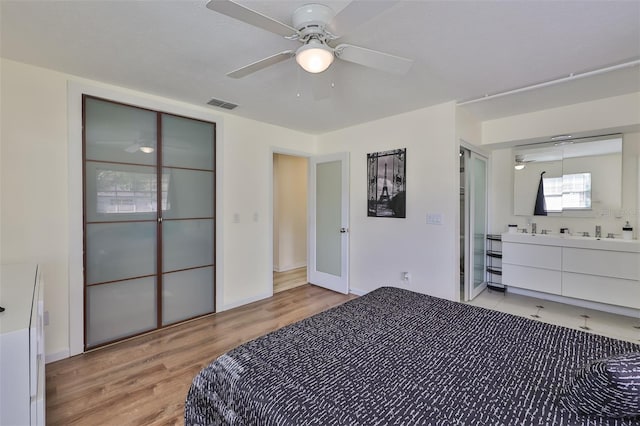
<point>117,132</point>
<point>120,192</point>
<point>187,143</point>
<point>187,294</point>
<point>478,198</point>
<point>118,251</point>
<point>190,194</point>
<point>186,244</point>
<point>120,309</point>
<point>328,217</point>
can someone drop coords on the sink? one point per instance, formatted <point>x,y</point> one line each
<point>576,241</point>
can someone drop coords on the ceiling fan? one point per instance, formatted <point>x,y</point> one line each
<point>318,28</point>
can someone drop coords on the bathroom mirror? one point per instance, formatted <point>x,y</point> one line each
<point>580,178</point>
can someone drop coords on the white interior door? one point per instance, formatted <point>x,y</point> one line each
<point>329,222</point>
<point>477,184</point>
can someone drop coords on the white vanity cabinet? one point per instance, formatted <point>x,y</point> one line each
<point>532,266</point>
<point>605,276</point>
<point>596,270</point>
<point>22,391</point>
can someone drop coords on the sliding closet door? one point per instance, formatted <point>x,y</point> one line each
<point>477,222</point>
<point>149,227</point>
<point>120,221</point>
<point>188,225</point>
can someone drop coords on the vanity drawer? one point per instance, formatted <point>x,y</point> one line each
<point>538,279</point>
<point>602,262</point>
<point>533,255</point>
<point>614,291</point>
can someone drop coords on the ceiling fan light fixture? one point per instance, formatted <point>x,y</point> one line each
<point>315,56</point>
<point>147,149</point>
<point>519,166</point>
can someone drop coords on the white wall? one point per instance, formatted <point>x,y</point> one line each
<point>290,212</point>
<point>594,118</point>
<point>37,220</point>
<point>382,248</point>
<point>34,184</point>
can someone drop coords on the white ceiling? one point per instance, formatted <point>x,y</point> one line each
<point>462,50</point>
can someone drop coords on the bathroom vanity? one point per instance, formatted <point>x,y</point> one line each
<point>601,270</point>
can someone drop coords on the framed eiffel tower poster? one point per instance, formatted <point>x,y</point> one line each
<point>386,194</point>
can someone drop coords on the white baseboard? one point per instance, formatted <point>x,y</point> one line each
<point>56,356</point>
<point>619,310</point>
<point>357,291</point>
<point>232,305</point>
<point>289,267</point>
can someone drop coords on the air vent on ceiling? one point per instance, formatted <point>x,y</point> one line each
<point>221,104</point>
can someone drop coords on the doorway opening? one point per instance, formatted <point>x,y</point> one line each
<point>290,178</point>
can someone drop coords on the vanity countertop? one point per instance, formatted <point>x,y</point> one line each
<point>561,240</point>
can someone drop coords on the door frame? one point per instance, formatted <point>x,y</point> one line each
<point>271,220</point>
<point>471,291</point>
<point>468,267</point>
<point>278,150</point>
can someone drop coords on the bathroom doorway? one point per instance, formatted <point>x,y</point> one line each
<point>463,222</point>
<point>290,175</point>
<point>473,223</point>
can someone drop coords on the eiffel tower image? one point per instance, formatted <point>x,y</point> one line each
<point>384,196</point>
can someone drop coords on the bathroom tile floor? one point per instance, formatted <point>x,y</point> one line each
<point>598,322</point>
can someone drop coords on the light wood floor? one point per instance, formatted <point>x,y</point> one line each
<point>144,381</point>
<point>289,279</point>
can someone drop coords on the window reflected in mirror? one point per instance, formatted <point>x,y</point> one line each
<point>568,192</point>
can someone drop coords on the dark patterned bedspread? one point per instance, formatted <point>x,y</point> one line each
<point>399,357</point>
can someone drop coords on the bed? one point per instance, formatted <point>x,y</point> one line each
<point>398,357</point>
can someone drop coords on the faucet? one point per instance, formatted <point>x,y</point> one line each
<point>598,231</point>
<point>533,227</point>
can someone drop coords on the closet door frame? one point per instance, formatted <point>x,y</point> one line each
<point>159,166</point>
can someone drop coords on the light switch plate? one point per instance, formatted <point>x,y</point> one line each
<point>434,218</point>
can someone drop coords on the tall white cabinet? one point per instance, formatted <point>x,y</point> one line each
<point>22,390</point>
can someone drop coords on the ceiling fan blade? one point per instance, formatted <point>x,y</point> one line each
<point>262,63</point>
<point>257,19</point>
<point>357,13</point>
<point>373,59</point>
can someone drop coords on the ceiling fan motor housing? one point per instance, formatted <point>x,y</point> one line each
<point>311,20</point>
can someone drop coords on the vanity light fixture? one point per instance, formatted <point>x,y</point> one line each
<point>561,137</point>
<point>563,143</point>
